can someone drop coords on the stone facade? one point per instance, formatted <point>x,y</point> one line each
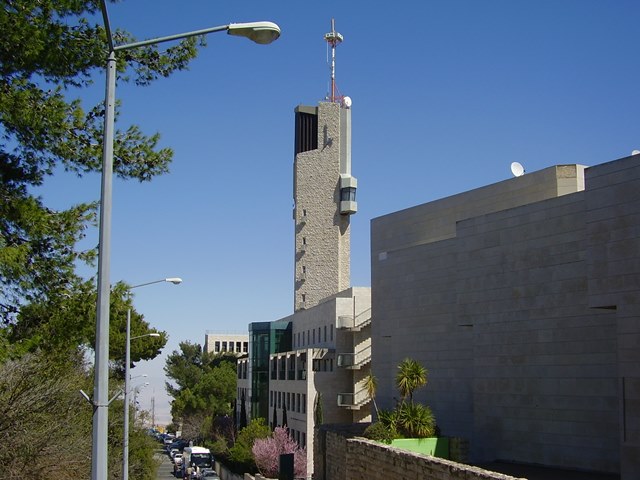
<point>322,233</point>
<point>521,298</point>
<point>312,370</point>
<point>237,343</point>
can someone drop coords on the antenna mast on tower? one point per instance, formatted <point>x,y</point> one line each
<point>333,38</point>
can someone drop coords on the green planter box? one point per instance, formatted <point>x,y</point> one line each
<point>434,446</point>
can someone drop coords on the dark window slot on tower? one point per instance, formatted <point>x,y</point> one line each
<point>306,132</point>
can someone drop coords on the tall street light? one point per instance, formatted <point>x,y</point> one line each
<point>127,374</point>
<point>259,32</point>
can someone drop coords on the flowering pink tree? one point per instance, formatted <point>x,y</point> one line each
<point>267,451</point>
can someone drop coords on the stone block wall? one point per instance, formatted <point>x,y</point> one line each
<point>525,309</point>
<point>341,456</point>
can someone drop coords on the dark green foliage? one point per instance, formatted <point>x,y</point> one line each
<point>49,52</point>
<point>240,455</point>
<point>205,386</point>
<point>65,322</point>
<point>243,411</point>
<point>142,464</point>
<point>380,432</point>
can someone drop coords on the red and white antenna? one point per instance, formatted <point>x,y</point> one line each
<point>333,38</point>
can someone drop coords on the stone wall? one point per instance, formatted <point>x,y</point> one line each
<point>341,456</point>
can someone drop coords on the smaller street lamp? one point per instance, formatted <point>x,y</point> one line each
<point>136,391</point>
<point>125,443</point>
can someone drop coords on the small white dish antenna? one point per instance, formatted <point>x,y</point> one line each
<point>517,169</point>
<point>635,152</point>
<point>347,102</point>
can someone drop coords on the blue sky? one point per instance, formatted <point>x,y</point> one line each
<point>446,94</point>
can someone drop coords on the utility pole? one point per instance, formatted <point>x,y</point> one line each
<point>153,410</point>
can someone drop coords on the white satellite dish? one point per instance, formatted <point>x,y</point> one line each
<point>635,152</point>
<point>347,102</point>
<point>517,169</point>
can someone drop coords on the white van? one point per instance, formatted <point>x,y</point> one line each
<point>196,457</point>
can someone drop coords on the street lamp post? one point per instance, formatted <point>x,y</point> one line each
<point>127,374</point>
<point>136,390</point>
<point>259,32</point>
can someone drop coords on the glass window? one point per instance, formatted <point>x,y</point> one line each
<point>348,194</point>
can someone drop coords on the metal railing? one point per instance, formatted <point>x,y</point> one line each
<point>354,360</point>
<point>356,322</point>
<point>353,399</point>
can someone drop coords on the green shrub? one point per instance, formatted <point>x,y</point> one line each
<point>380,432</point>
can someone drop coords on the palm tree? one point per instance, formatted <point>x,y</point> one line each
<point>371,384</point>
<point>416,420</point>
<point>411,376</point>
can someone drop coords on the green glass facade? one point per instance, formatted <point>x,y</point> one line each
<point>265,338</point>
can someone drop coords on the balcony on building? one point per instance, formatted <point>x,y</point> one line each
<point>348,186</point>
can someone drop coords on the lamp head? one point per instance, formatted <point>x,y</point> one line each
<point>174,280</point>
<point>259,32</point>
<point>153,335</point>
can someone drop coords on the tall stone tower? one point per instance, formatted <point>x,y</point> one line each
<point>324,198</point>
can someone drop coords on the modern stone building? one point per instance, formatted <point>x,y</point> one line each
<point>237,343</point>
<point>321,354</point>
<point>522,299</point>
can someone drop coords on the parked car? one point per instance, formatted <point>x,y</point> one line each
<point>209,473</point>
<point>173,452</point>
<point>177,464</point>
<point>179,444</point>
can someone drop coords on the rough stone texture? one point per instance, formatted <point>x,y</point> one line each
<point>325,256</point>
<point>339,455</point>
<point>522,299</point>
